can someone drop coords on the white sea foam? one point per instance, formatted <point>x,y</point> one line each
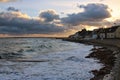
<point>66,60</point>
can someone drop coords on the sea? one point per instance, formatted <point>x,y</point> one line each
<point>45,59</point>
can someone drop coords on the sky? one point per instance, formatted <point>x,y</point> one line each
<point>53,18</point>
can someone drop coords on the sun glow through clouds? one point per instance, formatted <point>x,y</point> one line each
<point>54,17</point>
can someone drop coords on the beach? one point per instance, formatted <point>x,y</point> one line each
<point>41,59</point>
<point>111,58</point>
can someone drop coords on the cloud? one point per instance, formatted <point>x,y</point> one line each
<point>7,0</point>
<point>92,14</point>
<point>49,15</point>
<point>12,9</point>
<point>48,21</point>
<point>19,23</point>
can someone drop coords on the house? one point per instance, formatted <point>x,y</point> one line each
<point>95,34</point>
<point>109,33</point>
<point>88,35</point>
<point>78,35</point>
<point>84,34</point>
<point>113,32</point>
<point>117,33</point>
<point>99,34</point>
<point>102,33</point>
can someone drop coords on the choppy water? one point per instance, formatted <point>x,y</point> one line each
<point>66,60</point>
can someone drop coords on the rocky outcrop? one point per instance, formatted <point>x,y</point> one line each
<point>106,57</point>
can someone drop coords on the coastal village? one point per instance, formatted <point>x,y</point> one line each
<point>107,38</point>
<point>101,33</point>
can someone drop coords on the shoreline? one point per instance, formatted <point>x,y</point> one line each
<point>105,56</point>
<point>63,64</point>
<point>108,72</point>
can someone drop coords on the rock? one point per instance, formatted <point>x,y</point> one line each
<point>95,72</point>
<point>106,57</point>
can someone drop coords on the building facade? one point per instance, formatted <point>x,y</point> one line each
<point>117,33</point>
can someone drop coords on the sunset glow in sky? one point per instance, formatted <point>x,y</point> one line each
<point>53,18</point>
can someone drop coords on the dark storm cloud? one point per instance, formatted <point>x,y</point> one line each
<point>18,23</point>
<point>12,9</point>
<point>92,13</point>
<point>15,22</point>
<point>49,15</point>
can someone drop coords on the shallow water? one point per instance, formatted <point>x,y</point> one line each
<point>66,60</point>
